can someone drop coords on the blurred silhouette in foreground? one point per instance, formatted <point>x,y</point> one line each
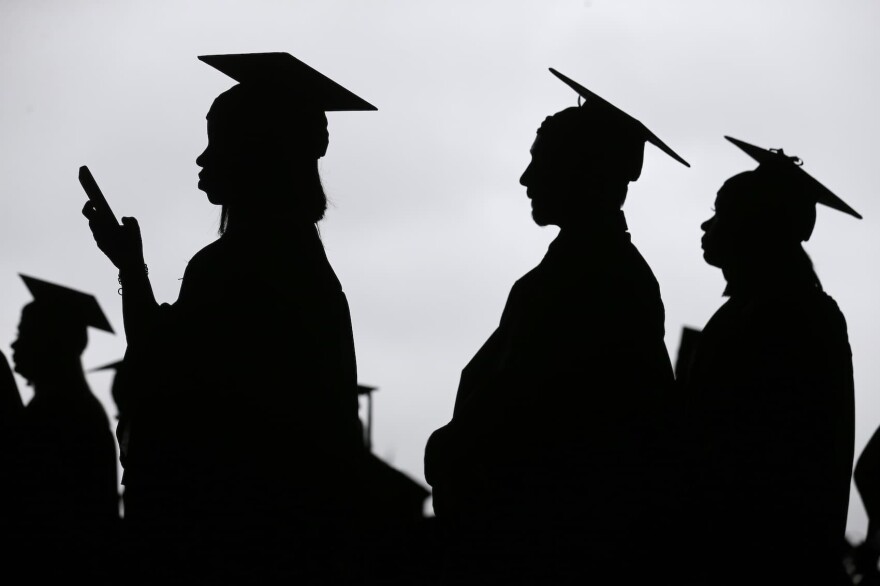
<point>770,390</point>
<point>395,537</point>
<point>11,407</point>
<point>65,472</point>
<point>867,477</point>
<point>544,474</point>
<point>690,339</point>
<point>11,414</point>
<point>118,389</point>
<point>864,557</point>
<point>243,438</point>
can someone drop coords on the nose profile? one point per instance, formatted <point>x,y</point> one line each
<point>707,224</point>
<point>524,178</point>
<point>200,160</point>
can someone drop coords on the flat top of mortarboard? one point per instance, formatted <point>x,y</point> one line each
<point>595,101</point>
<point>284,72</point>
<point>365,390</point>
<point>809,186</point>
<point>76,304</point>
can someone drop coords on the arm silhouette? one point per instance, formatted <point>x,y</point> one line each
<point>123,246</point>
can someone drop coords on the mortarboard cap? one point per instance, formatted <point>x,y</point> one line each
<point>365,390</point>
<point>624,120</point>
<point>777,159</point>
<point>74,305</point>
<point>110,366</point>
<point>285,73</point>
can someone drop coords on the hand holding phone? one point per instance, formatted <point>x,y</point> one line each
<point>121,243</point>
<point>95,196</point>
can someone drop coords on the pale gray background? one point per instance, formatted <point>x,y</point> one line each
<point>429,227</point>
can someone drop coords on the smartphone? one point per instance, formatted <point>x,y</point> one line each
<point>95,196</point>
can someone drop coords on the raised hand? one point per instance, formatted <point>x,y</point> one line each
<point>121,244</point>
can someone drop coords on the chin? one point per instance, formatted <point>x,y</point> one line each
<point>544,220</point>
<point>540,220</point>
<point>214,198</point>
<point>541,217</point>
<point>710,259</point>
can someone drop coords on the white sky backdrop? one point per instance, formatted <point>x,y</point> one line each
<point>429,227</point>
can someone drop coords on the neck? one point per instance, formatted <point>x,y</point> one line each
<point>776,271</point>
<point>277,203</point>
<point>245,218</point>
<point>258,219</point>
<point>612,221</point>
<point>65,377</point>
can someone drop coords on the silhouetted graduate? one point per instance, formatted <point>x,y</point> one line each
<point>244,432</point>
<point>771,388</point>
<point>10,399</point>
<point>66,473</point>
<point>120,391</point>
<point>687,347</point>
<point>541,476</point>
<point>11,414</point>
<point>394,535</point>
<point>864,556</point>
<point>867,479</point>
<point>117,387</point>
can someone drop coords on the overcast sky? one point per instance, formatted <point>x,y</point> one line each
<point>429,227</point>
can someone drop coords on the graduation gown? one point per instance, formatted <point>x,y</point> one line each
<point>11,414</point>
<point>772,414</point>
<point>244,428</point>
<point>68,506</point>
<point>544,468</point>
<point>867,479</point>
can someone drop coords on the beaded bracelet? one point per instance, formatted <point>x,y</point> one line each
<point>119,278</point>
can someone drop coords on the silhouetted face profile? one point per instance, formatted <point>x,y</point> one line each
<point>545,186</point>
<point>46,338</point>
<point>757,214</point>
<point>582,163</point>
<point>583,160</point>
<point>260,149</point>
<point>52,333</point>
<point>765,213</point>
<point>265,136</point>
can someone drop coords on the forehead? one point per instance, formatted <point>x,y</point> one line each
<point>33,319</point>
<point>740,188</point>
<point>566,142</point>
<point>28,314</point>
<point>536,144</point>
<point>41,317</point>
<point>233,117</point>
